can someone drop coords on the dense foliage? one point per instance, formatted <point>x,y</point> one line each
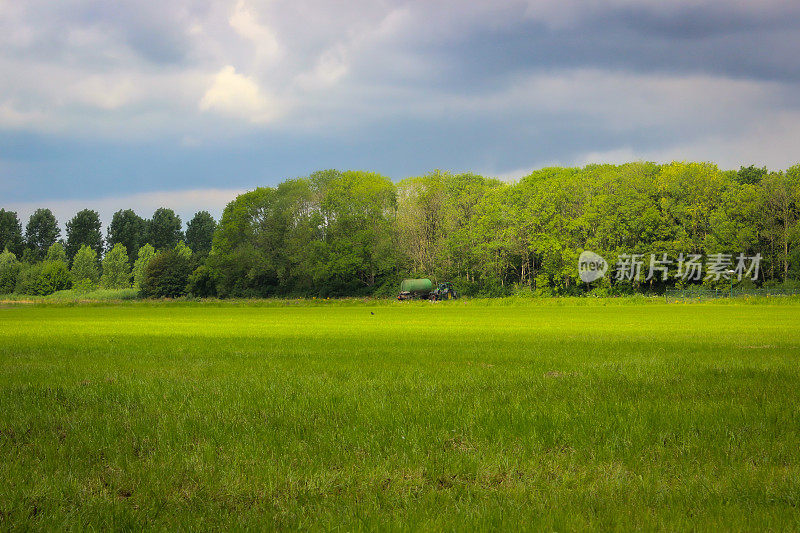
<point>54,277</point>
<point>84,230</point>
<point>128,229</point>
<point>56,252</point>
<point>41,279</point>
<point>146,253</point>
<point>9,271</point>
<point>331,233</point>
<point>200,232</point>
<point>166,275</point>
<point>353,232</point>
<point>116,269</point>
<point>164,229</point>
<point>11,232</point>
<point>41,232</point>
<point>85,270</point>
<point>358,233</point>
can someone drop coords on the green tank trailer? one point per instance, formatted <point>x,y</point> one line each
<point>419,289</point>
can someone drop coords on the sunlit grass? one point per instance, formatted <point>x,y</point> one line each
<point>371,415</point>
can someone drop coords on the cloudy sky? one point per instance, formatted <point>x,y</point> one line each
<point>183,103</point>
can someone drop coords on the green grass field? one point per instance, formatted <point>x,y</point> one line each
<point>458,415</point>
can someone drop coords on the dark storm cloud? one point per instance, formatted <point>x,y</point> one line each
<point>761,45</point>
<point>700,21</point>
<point>142,95</point>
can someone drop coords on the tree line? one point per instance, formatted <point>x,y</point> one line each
<point>39,261</point>
<point>340,233</point>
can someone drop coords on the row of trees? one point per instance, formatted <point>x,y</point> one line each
<point>360,233</point>
<point>355,233</point>
<point>88,272</point>
<point>39,262</point>
<point>163,230</point>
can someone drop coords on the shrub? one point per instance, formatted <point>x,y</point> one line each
<point>29,256</point>
<point>542,286</point>
<point>26,280</point>
<point>777,285</point>
<point>83,286</point>
<point>78,293</point>
<point>165,276</point>
<point>49,277</point>
<point>9,272</point>
<point>201,282</point>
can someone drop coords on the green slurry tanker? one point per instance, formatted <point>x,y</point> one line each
<point>418,289</point>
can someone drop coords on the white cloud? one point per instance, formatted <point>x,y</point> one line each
<point>238,96</point>
<point>331,67</point>
<point>120,103</point>
<point>771,141</point>
<point>245,22</point>
<point>104,92</point>
<point>13,117</point>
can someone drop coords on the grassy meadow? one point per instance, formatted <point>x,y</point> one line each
<point>576,414</point>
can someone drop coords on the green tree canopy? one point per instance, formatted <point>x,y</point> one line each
<point>116,269</point>
<point>146,253</point>
<point>129,229</point>
<point>183,250</point>
<point>751,175</point>
<point>263,244</point>
<point>84,229</point>
<point>164,229</point>
<point>9,271</point>
<point>84,265</point>
<point>328,234</point>
<point>56,253</point>
<point>166,275</point>
<point>10,232</point>
<point>352,233</point>
<point>54,277</point>
<point>41,232</point>
<point>200,232</point>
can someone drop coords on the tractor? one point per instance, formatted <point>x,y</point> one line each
<point>419,289</point>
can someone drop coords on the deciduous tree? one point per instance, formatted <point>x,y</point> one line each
<point>116,269</point>
<point>146,253</point>
<point>41,232</point>
<point>84,266</point>
<point>164,229</point>
<point>200,232</point>
<point>84,229</point>
<point>10,232</point>
<point>129,229</point>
